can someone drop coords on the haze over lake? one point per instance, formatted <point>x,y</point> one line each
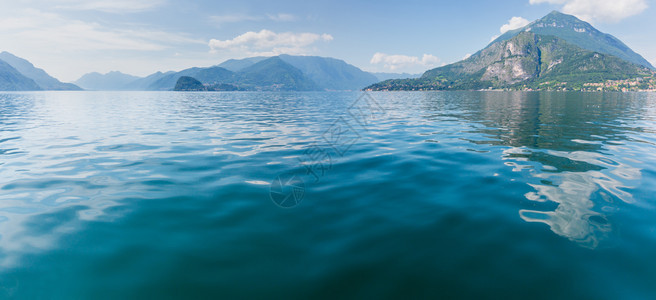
<point>394,194</point>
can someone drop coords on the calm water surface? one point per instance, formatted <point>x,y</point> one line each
<point>468,194</point>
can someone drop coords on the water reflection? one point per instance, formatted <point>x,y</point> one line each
<point>68,157</point>
<point>578,189</point>
<point>247,124</point>
<point>576,149</point>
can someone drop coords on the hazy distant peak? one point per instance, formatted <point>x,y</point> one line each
<point>39,76</point>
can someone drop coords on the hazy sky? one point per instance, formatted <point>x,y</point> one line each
<point>69,38</point>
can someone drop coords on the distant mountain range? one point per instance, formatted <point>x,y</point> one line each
<point>17,74</point>
<point>558,51</point>
<point>12,80</point>
<point>283,72</point>
<point>97,81</point>
<point>268,74</point>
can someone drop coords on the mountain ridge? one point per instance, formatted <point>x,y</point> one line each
<point>40,77</point>
<point>113,80</point>
<point>326,73</point>
<point>12,80</point>
<point>527,59</point>
<point>580,33</point>
<point>276,74</point>
<point>331,73</point>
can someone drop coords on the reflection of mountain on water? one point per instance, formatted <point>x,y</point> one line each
<point>574,146</point>
<point>578,193</point>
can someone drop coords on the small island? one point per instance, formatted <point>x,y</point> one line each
<point>190,84</point>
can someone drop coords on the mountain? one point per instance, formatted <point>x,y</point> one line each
<point>211,75</point>
<point>579,33</point>
<point>39,76</point>
<point>269,74</point>
<point>382,76</point>
<point>143,84</point>
<point>190,84</point>
<point>276,75</point>
<point>327,73</point>
<point>186,83</point>
<point>237,65</point>
<point>12,80</point>
<point>284,72</point>
<point>111,81</point>
<point>330,73</point>
<point>117,81</point>
<point>526,61</point>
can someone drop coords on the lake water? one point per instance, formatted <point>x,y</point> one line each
<point>293,195</point>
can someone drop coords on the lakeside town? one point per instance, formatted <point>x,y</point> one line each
<point>639,84</point>
<point>644,84</point>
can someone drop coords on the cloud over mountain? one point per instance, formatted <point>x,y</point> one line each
<point>599,10</point>
<point>397,61</point>
<point>513,23</point>
<point>266,42</point>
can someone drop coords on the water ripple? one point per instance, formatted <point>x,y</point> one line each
<point>174,189</point>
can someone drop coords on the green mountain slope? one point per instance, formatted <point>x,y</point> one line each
<point>39,76</point>
<point>276,75</point>
<point>145,83</point>
<point>527,60</point>
<point>270,74</point>
<point>579,33</point>
<point>284,72</point>
<point>211,75</point>
<point>330,73</point>
<point>327,73</point>
<point>186,83</point>
<point>190,84</point>
<point>237,65</point>
<point>12,80</point>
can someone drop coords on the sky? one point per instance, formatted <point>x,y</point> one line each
<point>69,38</point>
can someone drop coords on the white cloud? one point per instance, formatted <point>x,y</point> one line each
<point>513,23</point>
<point>112,6</point>
<point>396,62</point>
<point>238,18</point>
<point>38,29</point>
<point>468,55</point>
<point>235,18</point>
<point>282,17</point>
<point>267,42</point>
<point>65,47</point>
<point>599,10</point>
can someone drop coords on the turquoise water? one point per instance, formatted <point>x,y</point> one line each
<point>326,195</point>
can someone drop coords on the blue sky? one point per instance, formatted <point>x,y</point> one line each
<point>69,38</point>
